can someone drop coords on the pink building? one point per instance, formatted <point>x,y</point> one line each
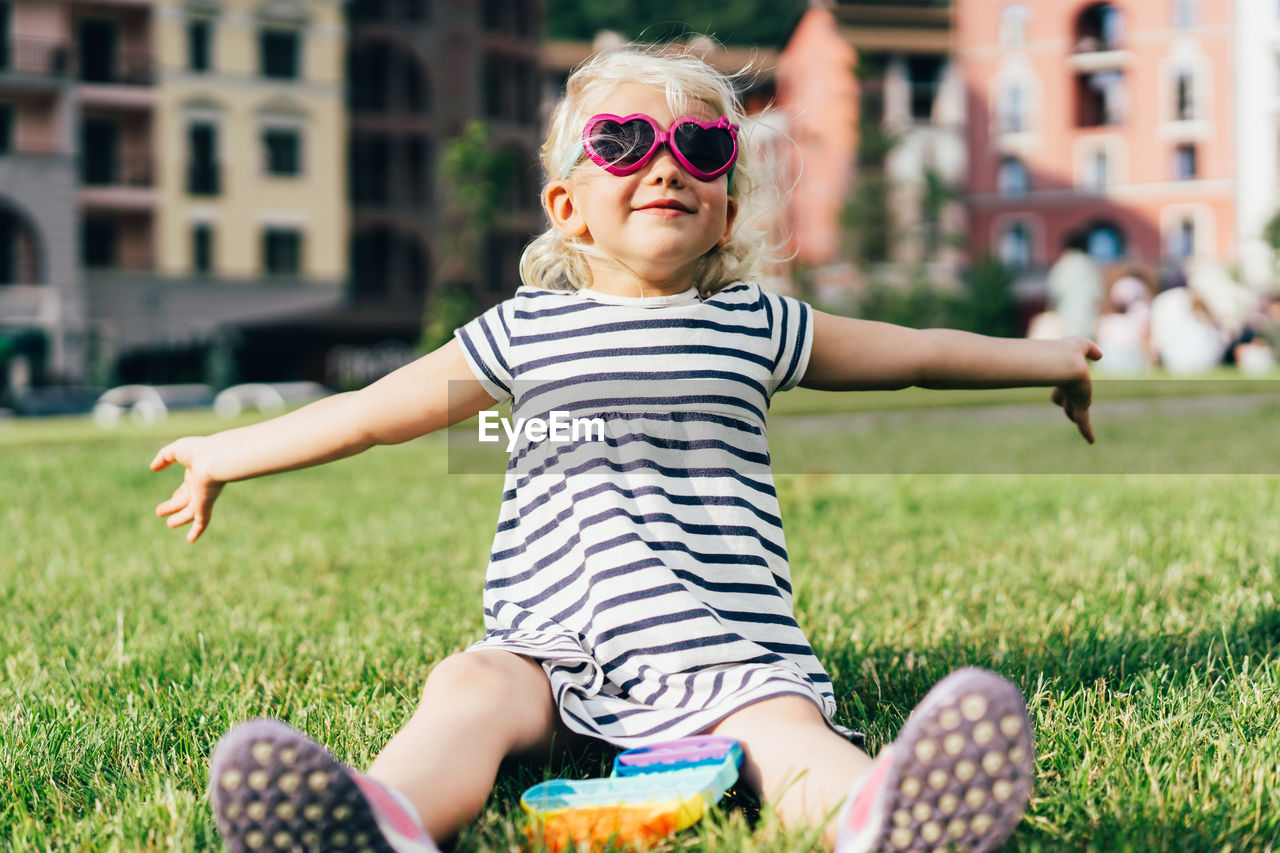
<point>1111,117</point>
<point>818,94</point>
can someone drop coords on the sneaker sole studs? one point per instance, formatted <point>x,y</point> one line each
<point>276,790</point>
<point>963,775</point>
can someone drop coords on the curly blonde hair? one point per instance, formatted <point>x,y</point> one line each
<point>555,261</point>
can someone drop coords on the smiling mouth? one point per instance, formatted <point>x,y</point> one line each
<point>666,204</point>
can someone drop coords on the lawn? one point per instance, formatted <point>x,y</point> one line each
<point>1136,610</point>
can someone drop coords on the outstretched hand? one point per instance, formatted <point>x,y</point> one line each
<point>192,502</point>
<point>1075,396</point>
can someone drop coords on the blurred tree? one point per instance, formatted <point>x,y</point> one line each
<point>867,219</point>
<point>474,179</point>
<point>767,23</point>
<point>937,195</point>
<point>992,308</point>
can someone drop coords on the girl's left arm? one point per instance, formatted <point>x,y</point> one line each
<point>863,355</point>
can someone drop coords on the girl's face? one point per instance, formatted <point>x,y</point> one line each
<point>652,225</point>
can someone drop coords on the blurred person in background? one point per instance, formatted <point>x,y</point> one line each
<point>1124,332</point>
<point>1075,288</point>
<point>1184,335</point>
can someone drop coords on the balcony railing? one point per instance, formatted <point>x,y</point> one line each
<point>34,146</point>
<point>130,68</point>
<point>35,57</point>
<point>126,172</point>
<point>204,179</point>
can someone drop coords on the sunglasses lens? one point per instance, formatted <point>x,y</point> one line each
<point>622,144</point>
<point>708,149</point>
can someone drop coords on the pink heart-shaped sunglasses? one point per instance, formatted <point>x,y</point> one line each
<point>622,144</point>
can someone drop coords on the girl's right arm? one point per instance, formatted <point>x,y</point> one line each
<point>435,391</point>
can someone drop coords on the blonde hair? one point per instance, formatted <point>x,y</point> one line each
<point>555,261</point>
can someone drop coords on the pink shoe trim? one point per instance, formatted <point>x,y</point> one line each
<point>388,808</point>
<point>860,810</point>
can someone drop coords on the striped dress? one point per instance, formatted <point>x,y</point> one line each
<point>642,561</point>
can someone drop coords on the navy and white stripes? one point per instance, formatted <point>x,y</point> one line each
<point>647,569</point>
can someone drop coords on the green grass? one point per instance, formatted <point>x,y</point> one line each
<point>1137,612</point>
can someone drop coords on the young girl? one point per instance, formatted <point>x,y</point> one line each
<point>638,587</point>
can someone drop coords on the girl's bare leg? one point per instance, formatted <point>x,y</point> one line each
<point>476,709</point>
<point>794,761</point>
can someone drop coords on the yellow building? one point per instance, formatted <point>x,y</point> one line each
<point>251,140</point>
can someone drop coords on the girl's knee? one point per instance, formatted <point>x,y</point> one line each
<point>489,682</point>
<point>764,718</point>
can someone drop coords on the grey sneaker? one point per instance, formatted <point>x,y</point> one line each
<point>273,789</point>
<point>957,778</point>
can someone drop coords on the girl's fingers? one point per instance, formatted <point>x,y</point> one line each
<point>175,503</point>
<point>183,516</point>
<point>198,525</point>
<point>163,459</point>
<point>1086,429</point>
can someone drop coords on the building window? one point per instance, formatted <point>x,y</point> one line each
<point>924,79</point>
<point>282,251</point>
<point>1185,14</point>
<point>278,54</point>
<point>202,249</point>
<point>1182,239</point>
<point>1097,171</point>
<point>494,86</point>
<point>1101,98</point>
<point>6,128</point>
<point>282,151</point>
<point>199,45</point>
<point>203,176</point>
<point>1185,96</point>
<point>367,11</point>
<point>98,44</point>
<point>1184,162</point>
<point>420,179</point>
<point>492,14</point>
<point>100,152</point>
<point>1100,27</point>
<point>4,36</point>
<point>1012,178</point>
<point>1015,246</point>
<point>510,88</point>
<point>1012,116</point>
<point>99,243</point>
<point>370,170</point>
<point>1013,26</point>
<point>1106,243</point>
<point>414,11</point>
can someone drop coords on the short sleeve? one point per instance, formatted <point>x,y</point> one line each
<point>486,345</point>
<point>791,339</point>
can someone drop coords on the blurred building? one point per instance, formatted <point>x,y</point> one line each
<point>173,167</point>
<point>818,96</point>
<point>246,189</point>
<point>43,312</point>
<point>1255,36</point>
<point>420,71</point>
<point>911,91</point>
<point>1115,118</point>
<point>417,72</point>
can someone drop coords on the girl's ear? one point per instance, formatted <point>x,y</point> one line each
<point>561,205</point>
<point>731,213</point>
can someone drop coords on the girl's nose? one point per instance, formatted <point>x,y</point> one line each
<point>664,167</point>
